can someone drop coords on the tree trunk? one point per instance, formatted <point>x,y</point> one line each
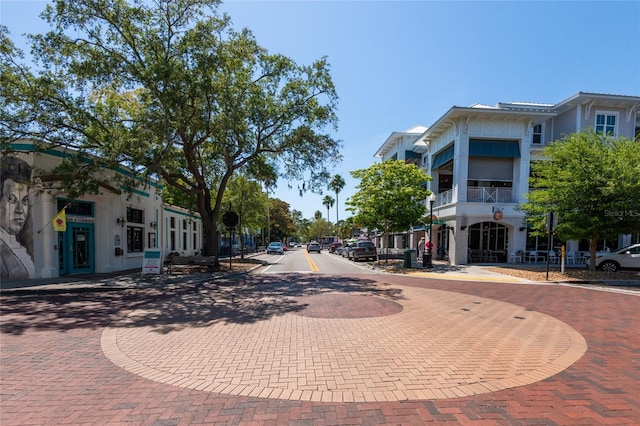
<point>592,254</point>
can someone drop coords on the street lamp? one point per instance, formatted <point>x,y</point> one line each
<point>432,198</point>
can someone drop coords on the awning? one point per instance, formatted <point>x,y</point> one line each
<point>491,148</point>
<point>442,157</point>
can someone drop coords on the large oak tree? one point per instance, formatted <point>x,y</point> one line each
<point>171,90</point>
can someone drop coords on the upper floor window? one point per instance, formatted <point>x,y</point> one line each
<point>537,134</point>
<point>135,215</point>
<point>77,208</point>
<point>607,123</point>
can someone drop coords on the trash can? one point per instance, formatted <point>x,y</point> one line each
<point>409,258</point>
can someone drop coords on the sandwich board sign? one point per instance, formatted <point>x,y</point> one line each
<point>152,262</point>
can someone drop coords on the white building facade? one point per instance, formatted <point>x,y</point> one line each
<point>479,158</point>
<point>105,232</point>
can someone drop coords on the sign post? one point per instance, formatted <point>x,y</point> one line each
<point>551,223</point>
<point>230,220</point>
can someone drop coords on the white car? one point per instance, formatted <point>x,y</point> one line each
<point>624,258</point>
<point>275,247</point>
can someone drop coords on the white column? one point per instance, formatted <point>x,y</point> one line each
<point>46,242</point>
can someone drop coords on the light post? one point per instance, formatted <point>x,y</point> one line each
<point>432,198</point>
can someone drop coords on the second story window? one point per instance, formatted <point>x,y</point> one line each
<point>537,134</point>
<point>606,123</point>
<point>135,215</point>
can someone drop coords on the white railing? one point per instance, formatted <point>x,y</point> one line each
<point>445,197</point>
<point>489,195</point>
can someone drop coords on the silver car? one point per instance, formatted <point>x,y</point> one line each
<point>314,246</point>
<point>275,247</point>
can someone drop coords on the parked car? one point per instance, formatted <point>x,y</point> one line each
<point>624,258</point>
<point>345,249</point>
<point>275,247</point>
<point>314,246</point>
<point>363,250</point>
<point>334,246</point>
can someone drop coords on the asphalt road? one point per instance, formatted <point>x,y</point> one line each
<point>297,260</point>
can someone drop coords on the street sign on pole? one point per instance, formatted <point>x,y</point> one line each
<point>551,222</point>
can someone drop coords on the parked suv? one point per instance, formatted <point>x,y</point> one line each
<point>624,258</point>
<point>363,250</point>
<point>313,246</point>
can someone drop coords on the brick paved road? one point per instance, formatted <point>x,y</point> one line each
<point>53,368</point>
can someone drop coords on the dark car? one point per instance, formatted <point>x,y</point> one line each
<point>334,246</point>
<point>314,246</point>
<point>363,250</point>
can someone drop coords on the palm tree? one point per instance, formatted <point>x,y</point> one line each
<point>336,185</point>
<point>327,201</point>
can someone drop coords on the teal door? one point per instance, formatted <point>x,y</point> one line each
<point>77,255</point>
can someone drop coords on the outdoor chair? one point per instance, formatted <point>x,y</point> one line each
<point>515,257</point>
<point>533,256</point>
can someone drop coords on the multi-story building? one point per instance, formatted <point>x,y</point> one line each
<point>479,158</point>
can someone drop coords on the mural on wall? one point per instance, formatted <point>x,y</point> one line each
<point>16,228</point>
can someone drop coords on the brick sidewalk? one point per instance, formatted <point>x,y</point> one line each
<point>53,369</point>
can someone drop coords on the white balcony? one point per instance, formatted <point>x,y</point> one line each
<point>443,198</point>
<point>490,195</point>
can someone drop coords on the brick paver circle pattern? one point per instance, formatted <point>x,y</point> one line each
<point>334,305</point>
<point>440,345</point>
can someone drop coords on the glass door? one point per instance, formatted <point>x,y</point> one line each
<point>76,254</point>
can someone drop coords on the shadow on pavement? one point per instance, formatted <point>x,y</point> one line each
<point>193,301</point>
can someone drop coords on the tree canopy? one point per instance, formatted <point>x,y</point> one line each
<point>336,185</point>
<point>281,220</point>
<point>246,199</point>
<point>390,196</point>
<point>328,202</point>
<point>592,183</point>
<point>171,90</point>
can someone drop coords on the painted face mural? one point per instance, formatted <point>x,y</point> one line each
<point>14,206</point>
<point>16,234</point>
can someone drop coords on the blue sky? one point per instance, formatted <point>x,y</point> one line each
<point>397,64</point>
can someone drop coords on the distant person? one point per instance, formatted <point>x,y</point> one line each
<point>421,247</point>
<point>16,239</point>
<point>429,247</point>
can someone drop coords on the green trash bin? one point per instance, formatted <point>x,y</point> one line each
<point>409,255</point>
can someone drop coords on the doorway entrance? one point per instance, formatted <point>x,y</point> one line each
<point>76,254</point>
<point>488,242</point>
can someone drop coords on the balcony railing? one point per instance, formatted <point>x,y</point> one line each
<point>490,195</point>
<point>445,197</point>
